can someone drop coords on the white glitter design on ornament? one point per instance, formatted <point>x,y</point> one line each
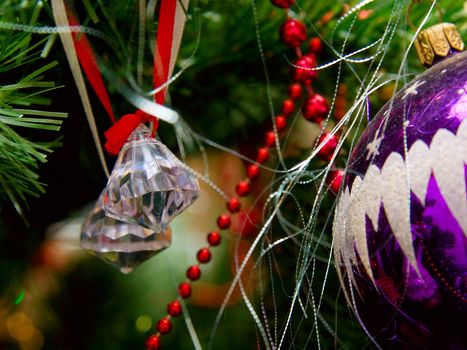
<point>389,188</point>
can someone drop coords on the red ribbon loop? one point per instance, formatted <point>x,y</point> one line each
<point>118,134</point>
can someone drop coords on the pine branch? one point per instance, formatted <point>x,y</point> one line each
<point>20,156</point>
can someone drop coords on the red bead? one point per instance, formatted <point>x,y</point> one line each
<point>234,205</point>
<point>293,33</point>
<point>334,180</point>
<point>194,272</point>
<point>281,123</point>
<point>262,155</point>
<point>153,343</point>
<point>204,256</point>
<point>302,70</point>
<point>252,171</point>
<point>164,326</point>
<point>327,151</point>
<point>184,290</point>
<point>243,188</point>
<point>288,107</point>
<point>174,308</point>
<point>315,45</point>
<point>223,221</point>
<point>295,91</point>
<point>284,4</point>
<point>315,108</point>
<point>214,238</point>
<point>270,139</point>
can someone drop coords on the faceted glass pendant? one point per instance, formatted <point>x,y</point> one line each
<point>121,244</point>
<point>148,186</point>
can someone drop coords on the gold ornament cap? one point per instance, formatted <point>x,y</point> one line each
<point>437,42</point>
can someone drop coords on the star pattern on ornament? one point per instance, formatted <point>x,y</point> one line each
<point>413,89</point>
<point>373,146</point>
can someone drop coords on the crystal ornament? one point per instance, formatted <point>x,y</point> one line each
<point>148,186</point>
<point>119,243</point>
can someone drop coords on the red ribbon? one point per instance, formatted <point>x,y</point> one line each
<point>88,61</point>
<point>121,130</point>
<point>162,57</point>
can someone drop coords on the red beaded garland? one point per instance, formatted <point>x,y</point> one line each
<point>223,221</point>
<point>234,205</point>
<point>243,188</point>
<point>262,155</point>
<point>327,151</point>
<point>334,180</point>
<point>281,123</point>
<point>194,272</point>
<point>184,290</point>
<point>164,325</point>
<point>252,171</point>
<point>302,70</point>
<point>270,139</point>
<point>315,45</point>
<point>295,91</point>
<point>315,108</point>
<point>214,238</point>
<point>153,343</point>
<point>174,308</point>
<point>204,256</point>
<point>288,107</point>
<point>292,33</point>
<point>284,4</point>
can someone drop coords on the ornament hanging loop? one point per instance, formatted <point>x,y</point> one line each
<point>417,2</point>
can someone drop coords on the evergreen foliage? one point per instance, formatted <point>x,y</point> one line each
<point>24,84</point>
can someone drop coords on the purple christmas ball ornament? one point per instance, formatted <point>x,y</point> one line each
<point>400,228</point>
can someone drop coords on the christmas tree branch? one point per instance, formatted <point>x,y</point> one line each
<point>20,155</point>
